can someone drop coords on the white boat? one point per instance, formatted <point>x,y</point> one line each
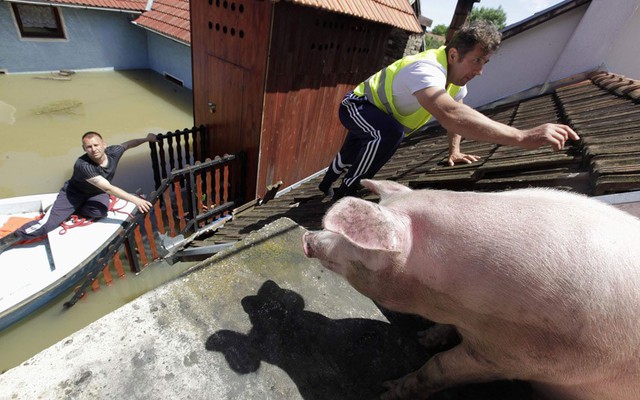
<point>36,273</point>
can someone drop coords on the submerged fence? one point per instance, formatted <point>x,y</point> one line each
<point>186,200</point>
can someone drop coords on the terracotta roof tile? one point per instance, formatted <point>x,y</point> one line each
<point>396,13</point>
<point>602,109</point>
<point>168,17</point>
<point>171,17</point>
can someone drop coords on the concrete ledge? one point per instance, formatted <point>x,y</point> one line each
<point>257,321</point>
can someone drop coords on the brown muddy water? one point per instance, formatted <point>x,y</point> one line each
<point>42,119</point>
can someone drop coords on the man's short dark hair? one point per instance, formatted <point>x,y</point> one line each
<point>92,133</point>
<point>480,32</point>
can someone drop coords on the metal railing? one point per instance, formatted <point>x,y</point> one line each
<point>186,201</point>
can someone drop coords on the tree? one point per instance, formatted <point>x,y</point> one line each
<point>495,15</point>
<point>435,38</point>
<point>440,29</point>
<point>432,41</point>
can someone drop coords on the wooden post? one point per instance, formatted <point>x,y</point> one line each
<point>154,164</point>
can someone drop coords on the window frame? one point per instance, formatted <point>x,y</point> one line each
<point>58,34</point>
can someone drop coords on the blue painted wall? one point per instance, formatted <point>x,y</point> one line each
<point>95,39</point>
<point>169,56</point>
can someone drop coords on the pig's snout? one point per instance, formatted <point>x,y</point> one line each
<point>307,240</point>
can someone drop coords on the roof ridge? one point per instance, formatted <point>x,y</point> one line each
<point>618,84</point>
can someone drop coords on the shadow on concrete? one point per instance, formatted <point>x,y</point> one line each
<point>345,359</point>
<point>326,358</point>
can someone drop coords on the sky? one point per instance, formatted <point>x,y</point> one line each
<point>441,11</point>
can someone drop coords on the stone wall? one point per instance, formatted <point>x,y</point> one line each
<point>400,44</point>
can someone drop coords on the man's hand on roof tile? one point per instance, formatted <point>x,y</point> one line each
<point>548,134</point>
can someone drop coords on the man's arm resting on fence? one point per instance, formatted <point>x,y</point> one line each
<point>101,183</point>
<point>129,144</point>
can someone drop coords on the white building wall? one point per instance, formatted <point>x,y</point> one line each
<point>624,55</point>
<point>525,60</point>
<point>600,30</point>
<point>602,34</point>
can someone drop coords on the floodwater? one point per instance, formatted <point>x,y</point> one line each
<point>42,118</point>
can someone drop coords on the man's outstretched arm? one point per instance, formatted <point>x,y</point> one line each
<point>129,144</point>
<point>471,124</point>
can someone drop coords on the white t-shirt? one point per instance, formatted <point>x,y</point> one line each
<point>416,76</point>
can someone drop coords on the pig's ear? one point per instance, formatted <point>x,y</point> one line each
<point>384,188</point>
<point>373,258</point>
<point>368,225</point>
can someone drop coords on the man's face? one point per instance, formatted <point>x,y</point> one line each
<point>94,147</point>
<point>463,69</point>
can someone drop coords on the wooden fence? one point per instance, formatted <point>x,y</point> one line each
<point>175,150</point>
<point>186,201</point>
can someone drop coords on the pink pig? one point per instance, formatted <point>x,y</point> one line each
<point>541,285</point>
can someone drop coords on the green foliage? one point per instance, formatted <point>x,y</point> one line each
<point>433,41</point>
<point>440,29</point>
<point>495,15</point>
<point>435,38</point>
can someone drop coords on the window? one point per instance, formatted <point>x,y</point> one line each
<point>38,21</point>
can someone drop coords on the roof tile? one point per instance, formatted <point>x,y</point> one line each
<point>168,17</point>
<point>605,160</point>
<point>397,13</point>
<point>172,18</point>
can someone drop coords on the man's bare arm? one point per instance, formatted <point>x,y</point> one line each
<point>103,184</point>
<point>129,144</point>
<point>470,124</point>
<point>455,155</point>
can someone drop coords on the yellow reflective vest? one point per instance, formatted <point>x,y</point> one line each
<point>379,89</point>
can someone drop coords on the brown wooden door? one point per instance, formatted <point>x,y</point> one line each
<point>224,104</point>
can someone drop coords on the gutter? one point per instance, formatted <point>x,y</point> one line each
<point>620,198</point>
<point>161,34</point>
<point>301,182</point>
<point>52,4</point>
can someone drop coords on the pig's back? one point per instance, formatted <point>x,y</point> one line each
<point>541,282</point>
<point>556,254</point>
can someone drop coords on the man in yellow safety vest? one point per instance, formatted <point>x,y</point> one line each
<point>401,98</point>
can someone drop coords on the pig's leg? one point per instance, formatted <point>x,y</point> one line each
<point>438,336</point>
<point>454,367</point>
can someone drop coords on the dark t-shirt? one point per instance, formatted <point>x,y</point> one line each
<point>84,169</point>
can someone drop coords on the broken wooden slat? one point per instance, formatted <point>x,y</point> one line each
<point>177,191</point>
<point>169,212</point>
<point>137,235</point>
<point>150,237</point>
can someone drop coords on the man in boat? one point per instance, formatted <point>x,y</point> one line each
<point>401,98</point>
<point>87,192</point>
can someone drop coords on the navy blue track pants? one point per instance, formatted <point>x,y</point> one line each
<point>66,204</point>
<point>373,138</point>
